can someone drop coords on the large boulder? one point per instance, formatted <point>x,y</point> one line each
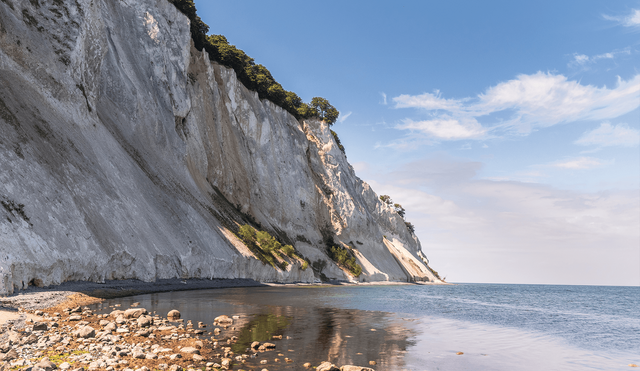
<point>145,321</point>
<point>134,312</point>
<point>46,364</point>
<point>223,320</point>
<point>86,332</point>
<point>173,314</point>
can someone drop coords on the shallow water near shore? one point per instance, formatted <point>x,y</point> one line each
<point>420,327</point>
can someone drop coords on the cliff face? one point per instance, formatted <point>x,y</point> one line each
<point>126,153</point>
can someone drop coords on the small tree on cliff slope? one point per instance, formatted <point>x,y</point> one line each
<point>325,110</point>
<point>399,209</point>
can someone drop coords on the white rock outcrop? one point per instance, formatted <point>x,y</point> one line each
<point>126,153</point>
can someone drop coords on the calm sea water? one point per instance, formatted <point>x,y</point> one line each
<point>417,327</point>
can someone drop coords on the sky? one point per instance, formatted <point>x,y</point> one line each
<point>509,131</point>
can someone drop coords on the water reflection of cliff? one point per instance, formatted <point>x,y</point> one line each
<point>318,334</point>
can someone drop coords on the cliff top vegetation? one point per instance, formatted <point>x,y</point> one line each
<point>254,76</point>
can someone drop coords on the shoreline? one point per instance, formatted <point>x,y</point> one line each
<point>80,293</point>
<point>53,326</point>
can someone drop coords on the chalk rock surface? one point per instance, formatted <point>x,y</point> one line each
<point>126,153</point>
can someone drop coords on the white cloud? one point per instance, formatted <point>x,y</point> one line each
<point>445,128</point>
<point>479,230</point>
<point>544,99</point>
<point>580,163</point>
<point>630,20</point>
<point>529,101</point>
<point>609,135</point>
<point>427,101</point>
<point>384,98</point>
<point>581,59</point>
<point>344,117</point>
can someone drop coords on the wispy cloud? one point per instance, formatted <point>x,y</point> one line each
<point>427,101</point>
<point>445,128</point>
<point>584,62</point>
<point>581,163</point>
<point>344,117</point>
<point>528,101</point>
<point>629,20</point>
<point>384,98</point>
<point>608,135</point>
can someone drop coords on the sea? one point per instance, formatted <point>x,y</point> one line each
<point>457,327</point>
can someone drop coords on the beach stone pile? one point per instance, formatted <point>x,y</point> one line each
<point>76,339</point>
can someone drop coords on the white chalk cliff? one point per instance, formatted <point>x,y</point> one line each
<point>126,153</point>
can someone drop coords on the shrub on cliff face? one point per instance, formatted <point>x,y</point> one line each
<point>266,248</point>
<point>288,250</point>
<point>247,234</point>
<point>338,142</point>
<point>346,258</point>
<point>410,227</point>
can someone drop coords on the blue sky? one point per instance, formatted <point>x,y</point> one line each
<point>509,131</point>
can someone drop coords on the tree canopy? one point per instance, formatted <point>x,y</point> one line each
<point>255,77</point>
<point>325,110</point>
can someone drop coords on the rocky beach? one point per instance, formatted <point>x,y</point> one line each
<point>68,335</point>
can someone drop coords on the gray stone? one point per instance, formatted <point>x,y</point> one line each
<point>198,358</point>
<point>145,321</point>
<point>189,350</point>
<point>327,366</point>
<point>46,364</point>
<point>40,326</point>
<point>173,314</point>
<point>134,312</point>
<point>33,338</point>
<point>223,320</point>
<point>355,368</point>
<point>10,355</point>
<point>86,332</point>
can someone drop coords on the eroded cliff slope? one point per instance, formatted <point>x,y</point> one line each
<point>126,153</point>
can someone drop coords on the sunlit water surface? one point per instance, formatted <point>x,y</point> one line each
<point>418,327</point>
